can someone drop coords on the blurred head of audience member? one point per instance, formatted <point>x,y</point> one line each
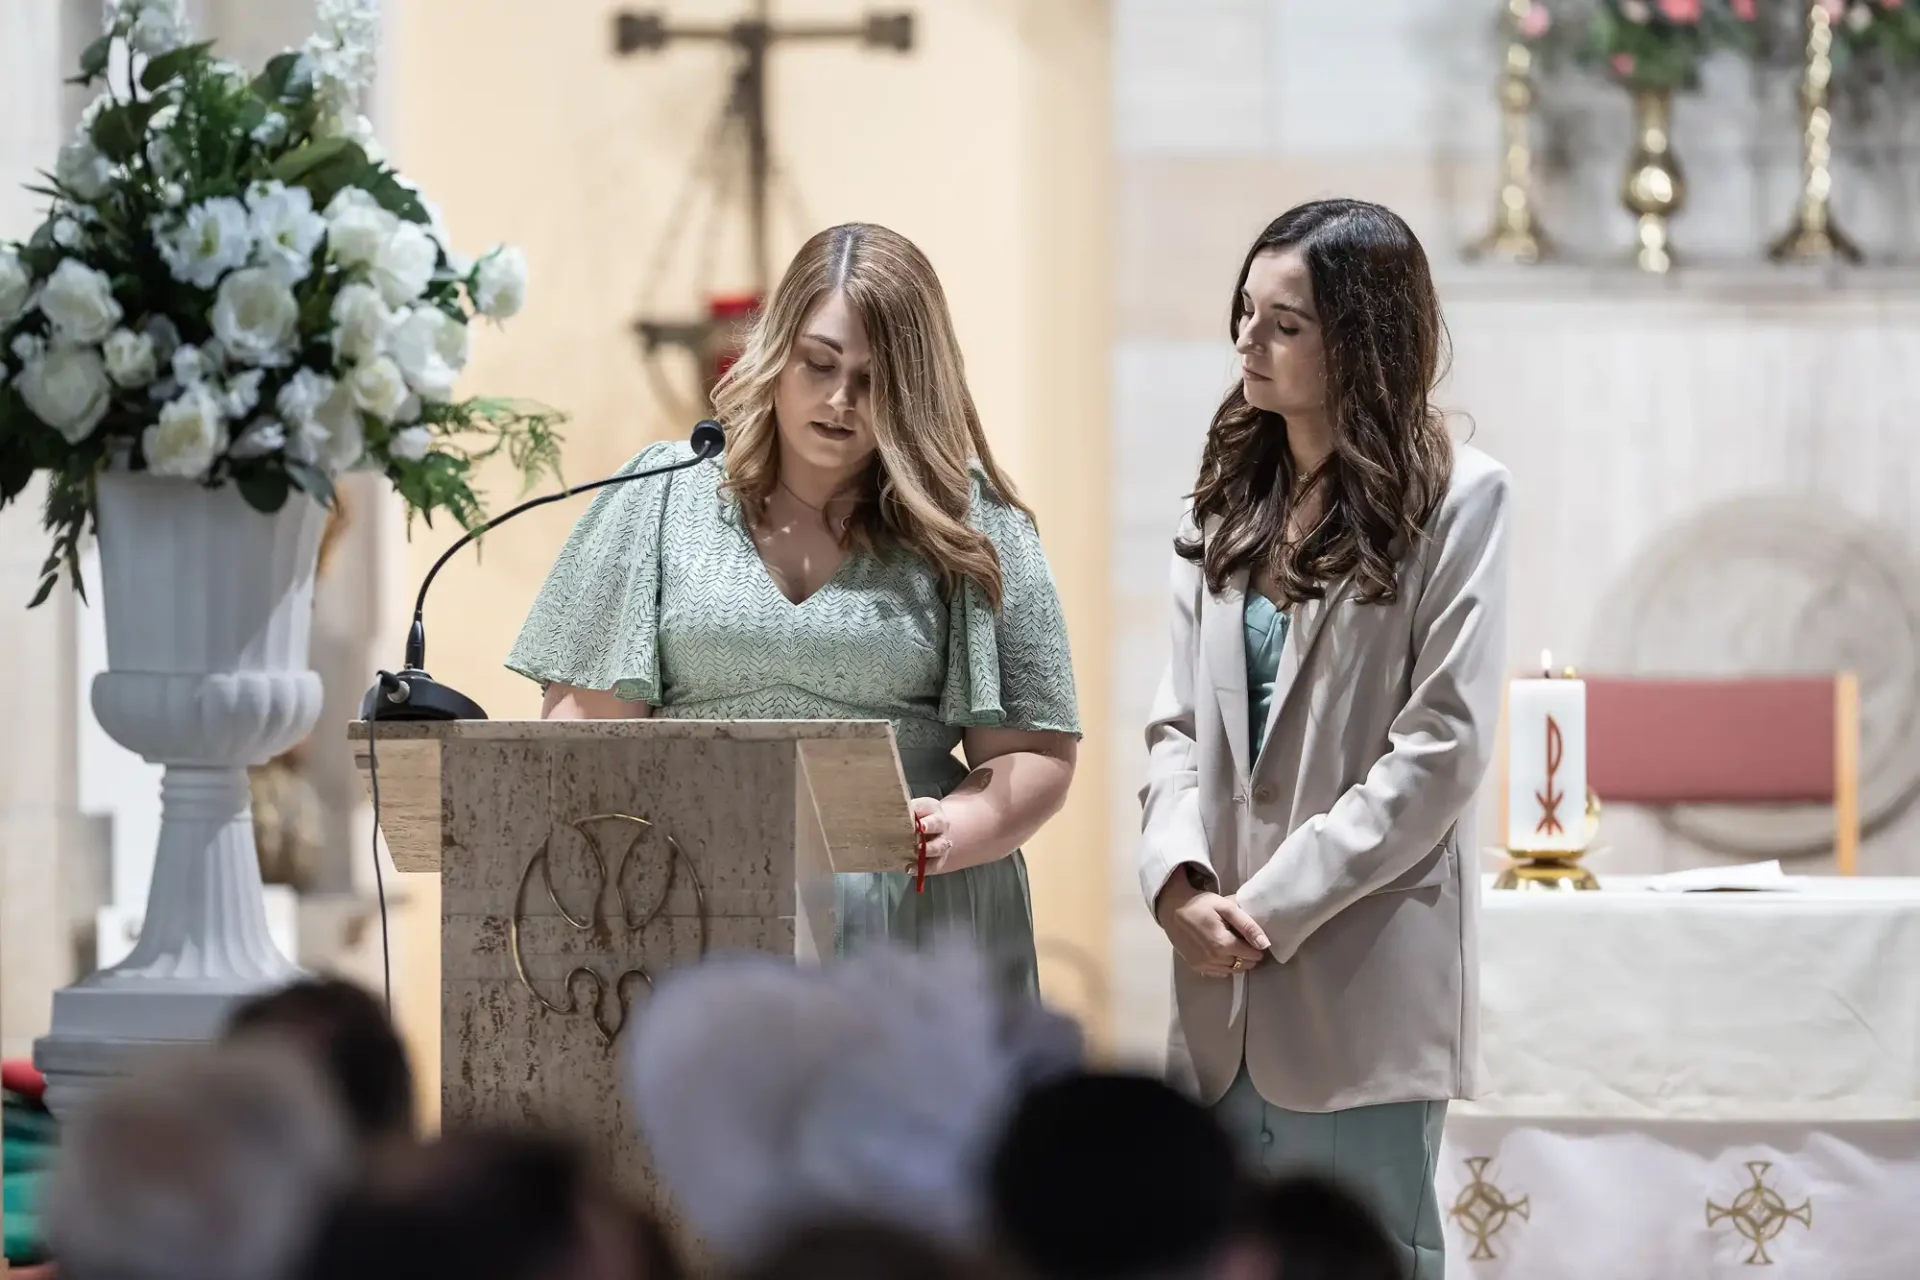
<point>1113,1177</point>
<point>204,1166</point>
<point>346,1032</point>
<point>1311,1228</point>
<point>856,1250</point>
<point>894,1073</point>
<point>488,1206</point>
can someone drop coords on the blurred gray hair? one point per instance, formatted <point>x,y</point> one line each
<point>772,1096</point>
<point>207,1165</point>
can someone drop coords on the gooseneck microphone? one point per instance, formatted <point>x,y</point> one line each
<point>412,694</point>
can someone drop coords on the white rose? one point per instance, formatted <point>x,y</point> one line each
<point>431,349</point>
<point>410,444</point>
<point>67,233</point>
<point>130,358</point>
<point>66,387</point>
<point>500,283</point>
<point>262,437</point>
<point>188,437</point>
<point>286,230</point>
<point>254,316</point>
<point>405,263</point>
<point>346,436</point>
<point>212,239</point>
<point>361,322</point>
<point>243,394</point>
<point>79,301</point>
<point>16,286</point>
<point>27,347</point>
<point>378,387</point>
<point>357,228</point>
<point>82,170</point>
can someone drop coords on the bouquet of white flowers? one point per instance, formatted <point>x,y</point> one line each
<point>232,286</point>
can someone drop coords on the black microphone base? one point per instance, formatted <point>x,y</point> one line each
<point>415,695</point>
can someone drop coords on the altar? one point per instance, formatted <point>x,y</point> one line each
<point>1690,1085</point>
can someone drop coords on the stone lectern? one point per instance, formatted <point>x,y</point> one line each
<point>581,860</point>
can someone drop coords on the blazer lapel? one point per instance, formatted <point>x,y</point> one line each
<point>1303,631</point>
<point>1223,636</point>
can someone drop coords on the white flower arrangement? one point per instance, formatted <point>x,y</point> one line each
<point>232,286</point>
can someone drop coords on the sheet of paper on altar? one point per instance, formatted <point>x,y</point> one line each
<point>1764,877</point>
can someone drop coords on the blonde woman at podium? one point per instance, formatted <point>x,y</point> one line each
<point>854,554</point>
<point>1339,620</point>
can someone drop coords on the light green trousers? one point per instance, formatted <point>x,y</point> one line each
<point>1385,1154</point>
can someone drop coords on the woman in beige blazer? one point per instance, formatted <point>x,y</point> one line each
<point>1339,606</point>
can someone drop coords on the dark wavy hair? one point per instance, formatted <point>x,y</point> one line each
<point>1385,348</point>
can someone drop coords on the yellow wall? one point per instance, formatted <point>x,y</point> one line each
<point>987,145</point>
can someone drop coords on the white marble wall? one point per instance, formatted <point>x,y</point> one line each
<point>1622,405</point>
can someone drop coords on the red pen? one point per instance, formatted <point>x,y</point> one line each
<point>919,857</point>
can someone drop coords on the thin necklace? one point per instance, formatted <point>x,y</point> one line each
<point>820,510</point>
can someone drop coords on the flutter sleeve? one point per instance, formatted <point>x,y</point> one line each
<point>1010,669</point>
<point>595,623</point>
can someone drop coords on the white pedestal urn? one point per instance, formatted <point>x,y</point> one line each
<point>208,614</point>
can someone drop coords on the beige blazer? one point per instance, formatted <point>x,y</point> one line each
<point>1350,838</point>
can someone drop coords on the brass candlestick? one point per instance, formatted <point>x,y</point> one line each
<point>1516,234</point>
<point>1557,870</point>
<point>1813,237</point>
<point>1654,189</point>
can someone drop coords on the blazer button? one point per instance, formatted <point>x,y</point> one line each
<point>1263,794</point>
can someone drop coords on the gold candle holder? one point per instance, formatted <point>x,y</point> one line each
<point>1516,234</point>
<point>1655,189</point>
<point>1557,870</point>
<point>1813,237</point>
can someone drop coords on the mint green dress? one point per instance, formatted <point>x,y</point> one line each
<point>1384,1153</point>
<point>660,597</point>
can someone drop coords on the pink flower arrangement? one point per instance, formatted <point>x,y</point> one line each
<point>1682,12</point>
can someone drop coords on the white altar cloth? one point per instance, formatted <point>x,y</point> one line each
<point>1693,1085</point>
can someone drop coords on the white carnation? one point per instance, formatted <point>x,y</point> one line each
<point>82,170</point>
<point>191,365</point>
<point>361,322</point>
<point>79,301</point>
<point>410,444</point>
<point>243,394</point>
<point>272,131</point>
<point>300,399</point>
<point>431,349</point>
<point>189,436</point>
<point>378,387</point>
<point>346,437</point>
<point>66,387</point>
<point>500,283</point>
<point>160,27</point>
<point>286,230</point>
<point>262,437</point>
<point>254,316</point>
<point>16,286</point>
<point>404,265</point>
<point>357,228</point>
<point>212,239</point>
<point>130,358</point>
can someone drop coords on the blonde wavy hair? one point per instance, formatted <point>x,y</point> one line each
<point>918,492</point>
